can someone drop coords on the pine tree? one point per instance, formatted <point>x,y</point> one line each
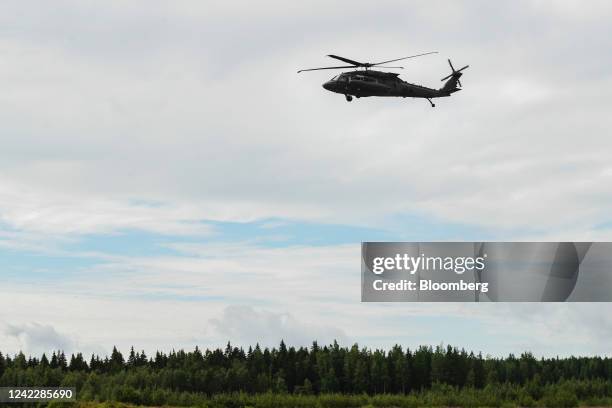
<point>142,361</point>
<point>132,358</point>
<point>116,361</point>
<point>44,361</point>
<point>93,363</point>
<point>54,364</point>
<point>61,361</point>
<point>77,363</point>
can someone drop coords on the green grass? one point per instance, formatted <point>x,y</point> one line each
<point>440,398</point>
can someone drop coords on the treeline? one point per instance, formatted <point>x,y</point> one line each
<point>305,371</point>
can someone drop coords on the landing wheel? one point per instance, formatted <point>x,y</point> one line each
<point>433,105</point>
<point>348,97</point>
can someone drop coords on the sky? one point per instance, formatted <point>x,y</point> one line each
<point>168,180</point>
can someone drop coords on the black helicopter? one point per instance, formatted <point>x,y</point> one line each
<point>367,82</point>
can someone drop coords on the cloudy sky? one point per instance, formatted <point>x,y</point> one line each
<point>167,179</point>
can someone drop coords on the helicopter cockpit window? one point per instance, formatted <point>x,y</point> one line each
<point>335,78</point>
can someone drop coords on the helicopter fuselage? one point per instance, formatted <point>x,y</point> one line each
<point>366,83</point>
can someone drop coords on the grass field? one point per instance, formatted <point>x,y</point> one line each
<point>272,400</point>
<point>124,405</point>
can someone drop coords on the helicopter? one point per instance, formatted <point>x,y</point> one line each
<point>368,82</point>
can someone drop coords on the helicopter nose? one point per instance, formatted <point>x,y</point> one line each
<point>327,85</point>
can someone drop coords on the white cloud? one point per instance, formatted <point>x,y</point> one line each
<point>245,294</point>
<point>574,10</point>
<point>37,338</point>
<point>245,325</point>
<point>28,210</point>
<point>221,126</point>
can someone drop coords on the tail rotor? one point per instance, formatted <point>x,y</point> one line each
<point>455,74</point>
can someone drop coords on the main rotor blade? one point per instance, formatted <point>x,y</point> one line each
<point>403,58</point>
<point>390,67</point>
<point>348,61</point>
<point>459,70</point>
<point>317,69</point>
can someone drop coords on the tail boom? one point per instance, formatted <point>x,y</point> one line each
<point>451,85</point>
